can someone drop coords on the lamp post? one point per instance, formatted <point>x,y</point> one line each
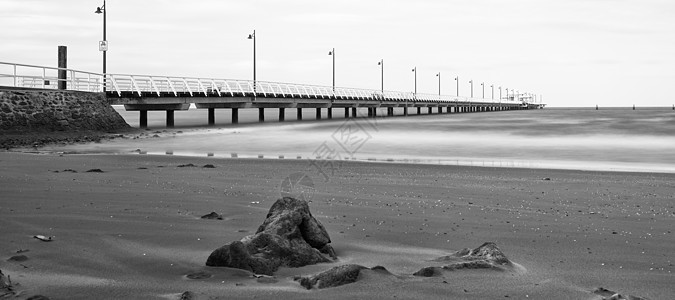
<point>332,53</point>
<point>439,83</point>
<point>457,79</point>
<point>482,84</point>
<point>104,45</point>
<point>492,95</point>
<point>471,82</point>
<point>500,94</point>
<point>381,64</point>
<point>414,70</point>
<point>252,37</point>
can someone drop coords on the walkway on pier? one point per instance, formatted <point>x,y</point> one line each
<point>145,93</point>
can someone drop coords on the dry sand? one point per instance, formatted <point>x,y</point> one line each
<point>134,230</point>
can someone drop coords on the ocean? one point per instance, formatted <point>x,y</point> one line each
<point>608,139</point>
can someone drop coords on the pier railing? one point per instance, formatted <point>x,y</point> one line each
<point>31,76</point>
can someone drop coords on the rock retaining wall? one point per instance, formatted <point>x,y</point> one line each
<point>56,110</point>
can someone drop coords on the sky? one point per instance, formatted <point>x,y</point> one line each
<point>571,52</point>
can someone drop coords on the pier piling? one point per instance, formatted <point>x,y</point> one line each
<point>212,116</point>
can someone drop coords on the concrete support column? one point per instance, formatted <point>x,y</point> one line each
<point>212,116</point>
<point>440,109</point>
<point>169,118</point>
<point>374,112</point>
<point>330,113</point>
<point>318,113</point>
<point>282,114</point>
<point>370,111</point>
<point>354,115</point>
<point>390,111</point>
<point>405,111</point>
<point>430,110</point>
<point>419,110</point>
<point>235,115</point>
<point>63,63</point>
<point>143,119</point>
<point>346,112</point>
<point>299,114</point>
<point>261,114</point>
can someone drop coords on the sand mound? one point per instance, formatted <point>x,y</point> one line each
<point>486,256</point>
<point>289,237</point>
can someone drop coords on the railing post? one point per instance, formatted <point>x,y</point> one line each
<point>63,65</point>
<point>14,75</point>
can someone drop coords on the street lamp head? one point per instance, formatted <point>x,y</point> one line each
<point>379,63</point>
<point>330,52</point>
<point>99,10</point>
<point>250,36</point>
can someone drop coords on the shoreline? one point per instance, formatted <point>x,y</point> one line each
<point>139,220</point>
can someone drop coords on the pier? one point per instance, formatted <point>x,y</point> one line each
<point>145,93</point>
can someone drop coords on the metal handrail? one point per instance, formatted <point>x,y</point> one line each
<point>24,75</point>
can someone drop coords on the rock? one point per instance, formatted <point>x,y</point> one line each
<point>94,171</point>
<point>187,295</point>
<point>4,282</point>
<point>289,237</point>
<point>18,258</point>
<point>428,272</point>
<point>212,216</point>
<point>333,277</point>
<point>611,295</point>
<point>38,297</point>
<point>186,166</point>
<point>209,166</point>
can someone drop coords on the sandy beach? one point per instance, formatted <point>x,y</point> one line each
<point>134,231</point>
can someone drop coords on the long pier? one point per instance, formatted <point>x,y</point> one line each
<point>145,93</point>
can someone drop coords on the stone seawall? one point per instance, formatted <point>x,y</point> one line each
<point>32,110</point>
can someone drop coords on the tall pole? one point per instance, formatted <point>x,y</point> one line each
<point>104,46</point>
<point>471,82</point>
<point>105,9</point>
<point>500,94</point>
<point>482,84</point>
<point>492,96</point>
<point>457,79</point>
<point>332,53</point>
<point>252,37</point>
<point>415,71</point>
<point>381,64</point>
<point>439,83</point>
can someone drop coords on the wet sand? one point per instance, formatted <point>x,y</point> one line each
<point>133,231</point>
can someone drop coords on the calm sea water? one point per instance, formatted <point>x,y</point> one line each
<point>616,139</point>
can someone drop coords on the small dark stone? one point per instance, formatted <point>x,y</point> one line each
<point>209,166</point>
<point>94,171</point>
<point>186,165</point>
<point>199,275</point>
<point>187,295</point>
<point>428,272</point>
<point>18,258</point>
<point>212,216</point>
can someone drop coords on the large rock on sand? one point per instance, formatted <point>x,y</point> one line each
<point>289,237</point>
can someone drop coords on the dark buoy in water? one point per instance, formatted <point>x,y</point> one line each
<point>596,107</point>
<point>633,106</point>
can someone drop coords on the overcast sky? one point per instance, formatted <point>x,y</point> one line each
<point>573,52</point>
